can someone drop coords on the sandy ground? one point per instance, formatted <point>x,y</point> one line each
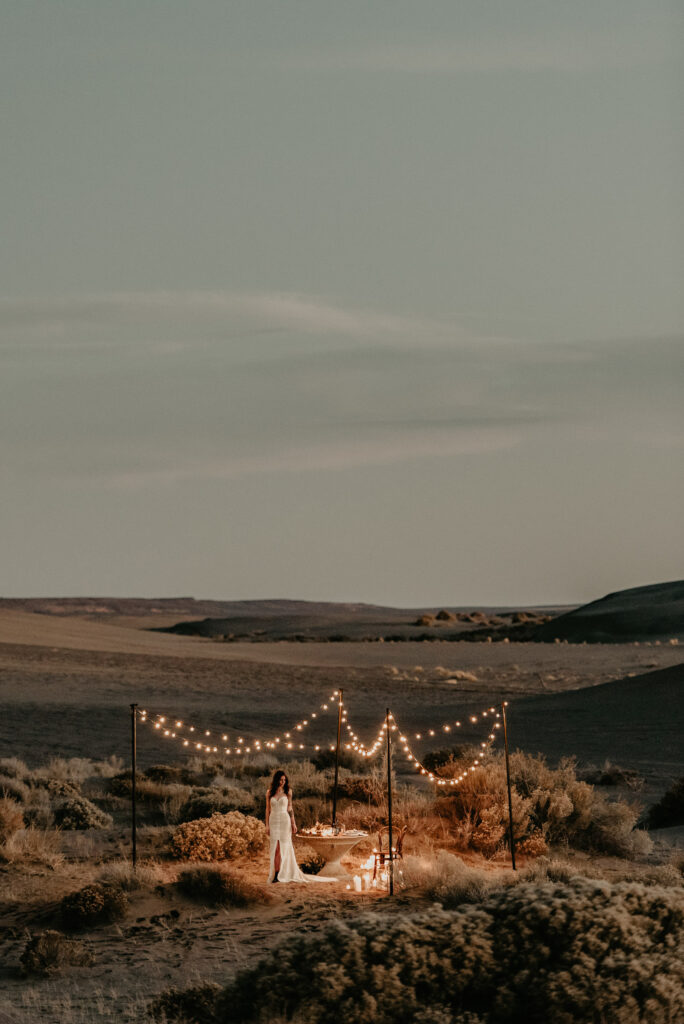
<point>65,689</point>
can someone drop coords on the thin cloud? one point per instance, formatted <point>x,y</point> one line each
<point>46,320</point>
<point>333,455</point>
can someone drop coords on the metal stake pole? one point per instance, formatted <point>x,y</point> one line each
<point>389,801</point>
<point>133,787</point>
<point>337,758</point>
<point>508,782</point>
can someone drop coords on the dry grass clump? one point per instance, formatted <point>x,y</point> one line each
<point>11,818</point>
<point>79,813</point>
<point>220,887</point>
<point>550,806</point>
<point>13,788</point>
<point>669,811</point>
<point>218,838</point>
<point>447,879</point>
<point>94,904</point>
<point>33,845</point>
<point>121,873</point>
<point>575,951</point>
<point>197,1004</point>
<point>14,768</point>
<point>211,800</point>
<point>48,953</point>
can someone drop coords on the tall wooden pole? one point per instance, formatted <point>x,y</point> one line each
<point>508,782</point>
<point>337,758</point>
<point>388,729</point>
<point>134,850</point>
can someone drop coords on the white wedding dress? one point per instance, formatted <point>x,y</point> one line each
<point>280,831</point>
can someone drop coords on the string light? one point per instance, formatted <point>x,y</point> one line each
<point>355,743</point>
<point>418,766</point>
<point>240,746</point>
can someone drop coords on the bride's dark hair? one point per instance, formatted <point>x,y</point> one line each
<point>278,774</point>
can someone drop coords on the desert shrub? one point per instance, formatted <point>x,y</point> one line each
<point>669,810</point>
<point>217,838</point>
<point>312,864</point>
<point>120,784</point>
<point>196,1005</point>
<point>49,952</point>
<point>122,874</point>
<point>13,768</point>
<point>58,788</point>
<point>436,759</point>
<point>611,775</point>
<point>447,879</point>
<point>368,788</point>
<point>220,887</point>
<point>148,791</point>
<point>71,769</point>
<point>548,802</point>
<point>533,845</point>
<point>164,773</point>
<point>324,759</point>
<point>92,905</point>
<point>78,813</point>
<point>33,844</point>
<point>13,789</point>
<point>205,802</point>
<point>594,952</point>
<point>11,818</point>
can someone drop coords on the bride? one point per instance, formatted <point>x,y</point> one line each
<point>281,827</point>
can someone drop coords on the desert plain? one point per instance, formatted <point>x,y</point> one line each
<point>67,680</point>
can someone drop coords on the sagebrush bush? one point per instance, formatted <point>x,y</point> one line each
<point>92,905</point>
<point>220,887</point>
<point>14,768</point>
<point>208,801</point>
<point>569,952</point>
<point>669,810</point>
<point>59,787</point>
<point>218,838</point>
<point>13,788</point>
<point>196,1005</point>
<point>11,818</point>
<point>447,879</point>
<point>79,813</point>
<point>550,806</point>
<point>48,953</point>
<point>33,844</point>
<point>121,873</point>
<point>164,773</point>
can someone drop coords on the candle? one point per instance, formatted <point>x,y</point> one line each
<point>357,883</point>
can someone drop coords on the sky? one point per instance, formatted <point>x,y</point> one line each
<point>370,302</point>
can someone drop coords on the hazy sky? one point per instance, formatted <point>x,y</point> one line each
<point>375,301</point>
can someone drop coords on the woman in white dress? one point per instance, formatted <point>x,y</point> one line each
<point>281,827</point>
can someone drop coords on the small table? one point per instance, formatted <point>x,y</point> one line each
<point>332,849</point>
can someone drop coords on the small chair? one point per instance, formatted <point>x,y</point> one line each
<point>382,857</point>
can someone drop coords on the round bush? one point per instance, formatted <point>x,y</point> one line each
<point>215,801</point>
<point>11,818</point>
<point>49,952</point>
<point>219,837</point>
<point>577,951</point>
<point>92,905</point>
<point>78,813</point>
<point>670,810</point>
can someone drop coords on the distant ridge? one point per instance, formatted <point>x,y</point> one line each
<point>655,612</point>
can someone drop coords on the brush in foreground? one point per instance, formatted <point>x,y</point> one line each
<point>562,952</point>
